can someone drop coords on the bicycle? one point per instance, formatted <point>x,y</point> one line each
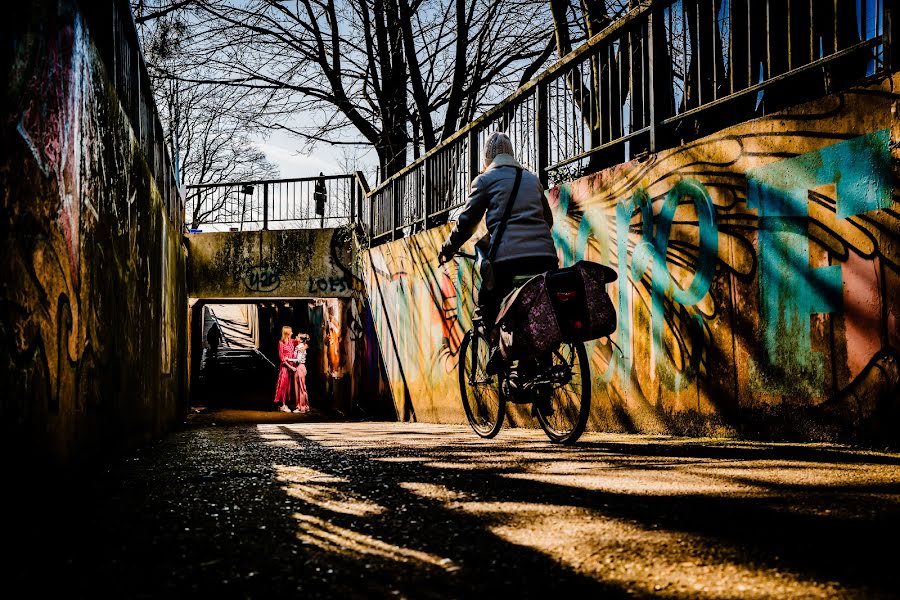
<point>557,384</point>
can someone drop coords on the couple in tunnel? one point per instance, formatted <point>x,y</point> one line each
<point>291,386</point>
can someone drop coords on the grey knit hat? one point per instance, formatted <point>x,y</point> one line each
<point>497,143</point>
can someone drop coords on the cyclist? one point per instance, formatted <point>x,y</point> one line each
<point>526,245</point>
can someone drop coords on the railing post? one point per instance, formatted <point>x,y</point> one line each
<point>352,201</point>
<point>357,204</point>
<point>395,209</point>
<point>656,38</point>
<point>265,207</point>
<point>371,200</point>
<point>426,194</point>
<point>362,191</point>
<point>543,134</point>
<point>473,154</point>
<point>891,22</point>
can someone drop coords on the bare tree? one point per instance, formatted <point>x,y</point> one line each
<point>213,146</point>
<point>209,126</point>
<point>397,75</point>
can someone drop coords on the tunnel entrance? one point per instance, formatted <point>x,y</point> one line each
<point>234,360</point>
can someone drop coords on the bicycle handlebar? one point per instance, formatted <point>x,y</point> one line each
<point>471,257</point>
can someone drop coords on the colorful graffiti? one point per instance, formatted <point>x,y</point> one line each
<point>285,263</point>
<point>91,264</point>
<point>410,293</point>
<point>758,280</point>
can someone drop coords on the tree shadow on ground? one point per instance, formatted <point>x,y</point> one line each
<point>309,508</point>
<point>818,531</point>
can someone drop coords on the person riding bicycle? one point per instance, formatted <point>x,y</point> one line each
<point>526,246</point>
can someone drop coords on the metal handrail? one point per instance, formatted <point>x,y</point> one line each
<point>286,200</point>
<point>678,60</point>
<point>523,91</point>
<point>264,181</point>
<point>114,32</point>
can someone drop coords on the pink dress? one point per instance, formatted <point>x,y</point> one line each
<point>300,394</point>
<point>285,373</point>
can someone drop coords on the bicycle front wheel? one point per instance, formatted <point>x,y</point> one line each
<point>563,406</point>
<point>485,406</point>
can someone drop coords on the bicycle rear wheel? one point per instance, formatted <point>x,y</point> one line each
<point>563,406</point>
<point>485,406</point>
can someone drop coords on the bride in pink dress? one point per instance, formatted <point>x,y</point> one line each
<point>286,371</point>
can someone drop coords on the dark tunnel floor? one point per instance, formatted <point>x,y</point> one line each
<point>430,511</point>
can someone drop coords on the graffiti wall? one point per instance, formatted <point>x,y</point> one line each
<point>282,267</point>
<point>298,263</point>
<point>420,313</point>
<point>91,333</point>
<point>758,291</point>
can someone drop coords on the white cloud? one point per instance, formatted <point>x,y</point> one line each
<point>293,164</point>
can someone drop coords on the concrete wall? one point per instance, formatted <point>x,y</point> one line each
<point>297,263</point>
<point>321,265</point>
<point>92,317</point>
<point>759,283</point>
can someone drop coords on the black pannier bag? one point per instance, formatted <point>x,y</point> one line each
<point>564,305</point>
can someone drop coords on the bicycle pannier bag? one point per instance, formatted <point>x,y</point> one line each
<point>563,305</point>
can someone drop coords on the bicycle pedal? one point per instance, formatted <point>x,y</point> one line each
<point>511,388</point>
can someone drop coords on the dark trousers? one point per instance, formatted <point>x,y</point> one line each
<point>505,273</point>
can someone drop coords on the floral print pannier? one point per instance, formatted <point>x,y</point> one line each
<point>564,305</point>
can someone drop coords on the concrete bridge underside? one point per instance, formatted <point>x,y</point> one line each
<point>298,263</point>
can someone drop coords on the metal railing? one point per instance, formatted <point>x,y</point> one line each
<point>303,203</point>
<point>113,31</point>
<point>667,72</point>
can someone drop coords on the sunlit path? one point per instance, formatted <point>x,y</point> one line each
<point>415,510</point>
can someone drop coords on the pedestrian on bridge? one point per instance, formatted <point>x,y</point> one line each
<point>320,195</point>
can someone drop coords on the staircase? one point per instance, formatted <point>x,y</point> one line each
<point>236,374</point>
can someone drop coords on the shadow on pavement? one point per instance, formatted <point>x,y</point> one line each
<point>354,510</point>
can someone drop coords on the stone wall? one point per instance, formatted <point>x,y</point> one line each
<point>297,263</point>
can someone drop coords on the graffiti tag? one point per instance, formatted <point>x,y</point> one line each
<point>649,259</point>
<point>328,284</point>
<point>790,290</point>
<point>262,279</point>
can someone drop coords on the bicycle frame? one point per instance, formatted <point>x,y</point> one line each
<point>548,377</point>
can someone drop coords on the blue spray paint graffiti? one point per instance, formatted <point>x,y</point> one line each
<point>651,249</point>
<point>663,285</point>
<point>789,289</point>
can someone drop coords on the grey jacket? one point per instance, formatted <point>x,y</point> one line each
<point>527,233</point>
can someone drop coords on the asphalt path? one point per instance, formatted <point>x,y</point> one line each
<point>307,509</point>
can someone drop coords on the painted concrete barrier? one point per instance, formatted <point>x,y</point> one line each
<point>296,263</point>
<point>758,292</point>
<point>91,267</point>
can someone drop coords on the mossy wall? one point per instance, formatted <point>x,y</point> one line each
<point>92,286</point>
<point>291,263</point>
